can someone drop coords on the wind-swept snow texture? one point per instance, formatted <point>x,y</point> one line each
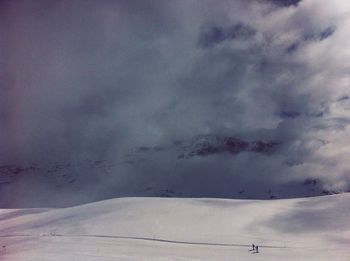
<point>180,229</point>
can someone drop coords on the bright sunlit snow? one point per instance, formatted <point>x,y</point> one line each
<point>180,229</point>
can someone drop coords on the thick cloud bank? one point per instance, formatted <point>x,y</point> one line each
<point>97,79</point>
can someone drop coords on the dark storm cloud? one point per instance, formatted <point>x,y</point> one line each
<point>96,80</point>
<point>311,36</point>
<point>324,34</point>
<point>215,35</point>
<point>285,2</point>
<point>290,114</point>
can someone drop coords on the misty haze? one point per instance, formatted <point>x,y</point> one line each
<point>218,105</point>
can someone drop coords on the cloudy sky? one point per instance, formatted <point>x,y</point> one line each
<point>97,79</point>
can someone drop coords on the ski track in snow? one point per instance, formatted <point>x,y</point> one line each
<point>150,239</point>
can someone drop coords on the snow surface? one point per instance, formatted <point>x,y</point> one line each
<point>180,229</point>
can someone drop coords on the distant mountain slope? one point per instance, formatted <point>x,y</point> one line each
<point>204,166</point>
<point>205,145</point>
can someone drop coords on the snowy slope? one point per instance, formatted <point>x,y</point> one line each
<point>180,229</point>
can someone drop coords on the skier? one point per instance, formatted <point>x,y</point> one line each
<point>257,249</point>
<point>253,247</point>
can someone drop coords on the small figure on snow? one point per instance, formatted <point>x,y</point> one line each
<point>257,249</point>
<point>253,248</point>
